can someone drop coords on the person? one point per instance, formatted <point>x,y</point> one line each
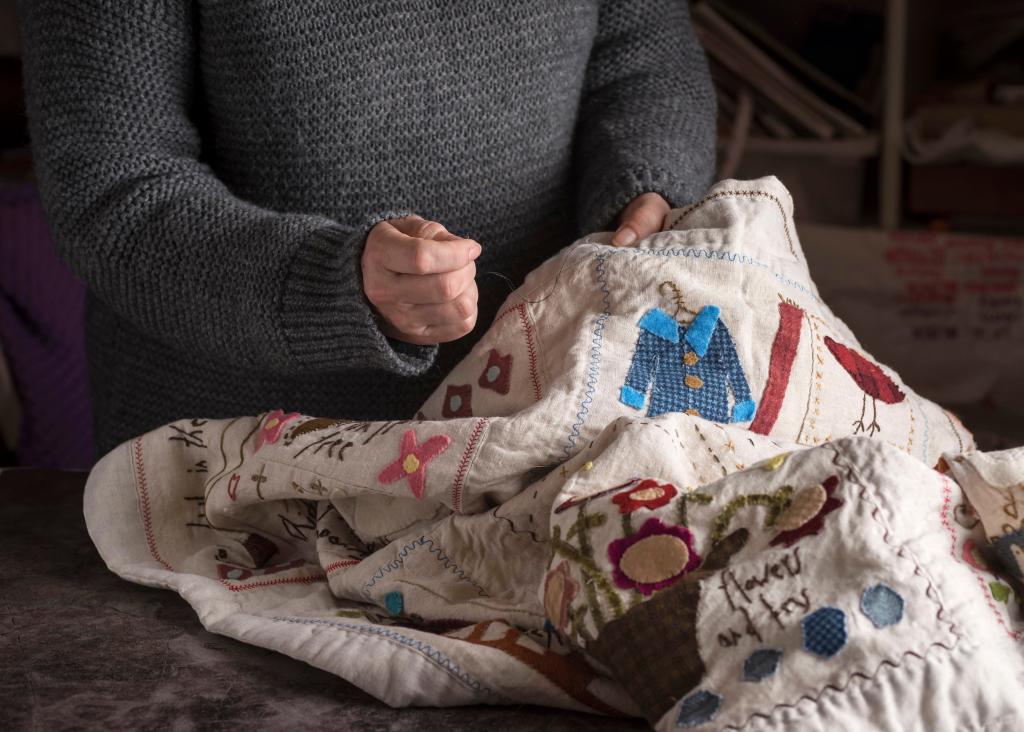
<point>278,204</point>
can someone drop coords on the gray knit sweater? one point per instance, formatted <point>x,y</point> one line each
<point>210,169</point>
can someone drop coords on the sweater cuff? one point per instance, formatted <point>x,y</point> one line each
<point>600,207</point>
<point>328,323</point>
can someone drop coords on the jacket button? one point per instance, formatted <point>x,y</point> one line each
<point>690,358</point>
<point>693,412</point>
<point>694,382</point>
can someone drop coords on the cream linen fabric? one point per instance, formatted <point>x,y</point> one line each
<point>553,499</point>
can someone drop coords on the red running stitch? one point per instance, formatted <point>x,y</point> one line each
<point>531,348</point>
<point>147,526</point>
<point>467,454</point>
<point>308,579</point>
<point>947,501</point>
<point>340,565</point>
<point>147,519</point>
<point>505,312</point>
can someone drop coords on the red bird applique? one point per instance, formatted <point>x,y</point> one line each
<point>870,378</point>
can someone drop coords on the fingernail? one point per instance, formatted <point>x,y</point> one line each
<point>624,237</point>
<point>475,251</point>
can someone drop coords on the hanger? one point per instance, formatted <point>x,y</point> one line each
<point>677,299</point>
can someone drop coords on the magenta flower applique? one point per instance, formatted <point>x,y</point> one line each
<point>654,557</point>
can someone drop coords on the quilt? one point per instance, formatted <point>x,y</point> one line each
<point>668,482</point>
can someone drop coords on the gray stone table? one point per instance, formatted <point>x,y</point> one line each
<point>82,649</point>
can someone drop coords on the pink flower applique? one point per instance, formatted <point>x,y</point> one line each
<point>412,461</point>
<point>273,426</point>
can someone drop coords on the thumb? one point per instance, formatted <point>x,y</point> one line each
<point>640,220</point>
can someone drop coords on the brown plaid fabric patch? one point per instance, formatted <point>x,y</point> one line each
<point>652,649</point>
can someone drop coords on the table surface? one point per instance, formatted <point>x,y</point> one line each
<point>82,648</point>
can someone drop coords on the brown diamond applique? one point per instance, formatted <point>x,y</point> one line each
<point>457,401</point>
<point>497,374</point>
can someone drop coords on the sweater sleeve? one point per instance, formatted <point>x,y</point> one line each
<point>111,88</point>
<point>647,117</point>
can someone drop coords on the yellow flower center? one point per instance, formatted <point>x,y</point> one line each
<point>271,423</point>
<point>655,558</point>
<point>647,494</point>
<point>411,464</point>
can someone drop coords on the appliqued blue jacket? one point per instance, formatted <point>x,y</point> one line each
<point>687,369</point>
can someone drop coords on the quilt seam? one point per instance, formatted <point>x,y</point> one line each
<point>931,592</point>
<point>424,649</point>
<point>466,462</point>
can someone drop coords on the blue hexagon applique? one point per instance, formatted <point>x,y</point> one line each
<point>698,708</point>
<point>761,664</point>
<point>824,631</point>
<point>883,605</point>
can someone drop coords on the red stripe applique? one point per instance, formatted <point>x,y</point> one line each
<point>787,339</point>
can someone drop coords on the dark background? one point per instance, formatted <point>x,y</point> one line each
<point>935,89</point>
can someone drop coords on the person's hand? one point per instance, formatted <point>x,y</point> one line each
<point>421,280</point>
<point>644,216</point>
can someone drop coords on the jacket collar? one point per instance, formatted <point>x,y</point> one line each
<point>697,334</point>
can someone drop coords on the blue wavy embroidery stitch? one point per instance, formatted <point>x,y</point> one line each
<point>427,650</point>
<point>594,368</point>
<point>733,257</point>
<point>440,556</point>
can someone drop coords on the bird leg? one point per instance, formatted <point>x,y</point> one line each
<point>858,426</point>
<point>874,426</point>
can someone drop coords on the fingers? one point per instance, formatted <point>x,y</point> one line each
<point>436,323</point>
<point>641,218</point>
<point>420,279</point>
<point>432,289</point>
<point>625,236</point>
<point>433,335</point>
<point>419,228</point>
<point>410,255</point>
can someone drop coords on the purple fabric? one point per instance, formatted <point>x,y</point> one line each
<point>42,335</point>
